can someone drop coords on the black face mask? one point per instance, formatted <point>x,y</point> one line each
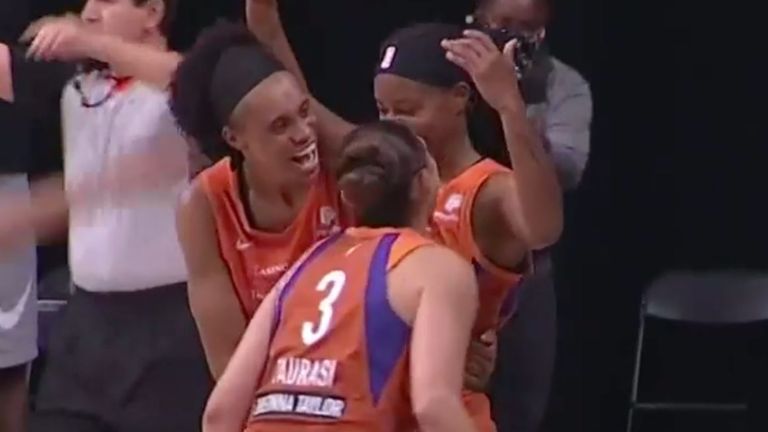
<point>532,61</point>
<point>533,83</point>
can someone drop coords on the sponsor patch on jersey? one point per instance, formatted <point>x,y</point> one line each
<point>299,404</point>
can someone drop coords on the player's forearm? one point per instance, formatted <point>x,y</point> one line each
<point>220,330</point>
<point>538,190</point>
<point>229,405</point>
<point>6,81</point>
<point>219,416</point>
<point>150,64</point>
<point>443,413</point>
<point>214,420</point>
<point>264,22</point>
<point>232,398</point>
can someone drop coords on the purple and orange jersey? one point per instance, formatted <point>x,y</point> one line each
<point>256,260</point>
<point>338,359</point>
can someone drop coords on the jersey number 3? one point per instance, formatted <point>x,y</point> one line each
<point>332,283</point>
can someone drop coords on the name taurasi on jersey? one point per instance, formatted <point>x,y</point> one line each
<point>302,374</point>
<point>291,371</point>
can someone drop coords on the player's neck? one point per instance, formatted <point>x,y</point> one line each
<point>270,207</point>
<point>419,220</point>
<point>455,157</point>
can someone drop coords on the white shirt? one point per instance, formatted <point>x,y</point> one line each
<point>125,240</point>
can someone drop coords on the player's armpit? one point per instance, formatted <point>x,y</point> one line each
<point>441,332</point>
<point>215,307</point>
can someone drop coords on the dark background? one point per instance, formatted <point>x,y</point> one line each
<point>674,180</point>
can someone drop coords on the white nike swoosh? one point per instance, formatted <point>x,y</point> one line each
<point>242,245</point>
<point>9,319</point>
<point>352,249</point>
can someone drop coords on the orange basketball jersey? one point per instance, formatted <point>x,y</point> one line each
<point>256,259</point>
<point>452,226</point>
<point>338,360</point>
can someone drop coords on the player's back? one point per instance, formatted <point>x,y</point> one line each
<point>338,359</point>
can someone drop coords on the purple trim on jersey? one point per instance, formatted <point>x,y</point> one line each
<point>509,304</point>
<point>387,336</point>
<point>292,281</point>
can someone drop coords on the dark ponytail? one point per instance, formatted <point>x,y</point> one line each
<point>414,52</point>
<point>377,166</point>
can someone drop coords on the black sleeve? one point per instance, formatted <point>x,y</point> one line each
<point>37,86</point>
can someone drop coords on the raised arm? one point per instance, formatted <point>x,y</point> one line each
<point>264,21</point>
<point>440,337</point>
<point>231,400</point>
<point>214,304</point>
<point>530,200</point>
<point>150,64</point>
<point>65,38</point>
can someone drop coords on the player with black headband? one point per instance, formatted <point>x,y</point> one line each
<point>246,219</point>
<point>368,330</point>
<point>490,214</point>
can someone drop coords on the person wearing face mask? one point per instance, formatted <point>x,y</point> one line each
<point>558,98</point>
<point>559,104</point>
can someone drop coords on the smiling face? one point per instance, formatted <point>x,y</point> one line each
<point>274,129</point>
<point>432,113</point>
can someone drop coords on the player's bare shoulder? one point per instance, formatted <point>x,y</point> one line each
<point>492,193</point>
<point>193,199</point>
<point>436,265</point>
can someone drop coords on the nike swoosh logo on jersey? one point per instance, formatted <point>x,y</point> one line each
<point>10,318</point>
<point>242,245</point>
<point>352,250</point>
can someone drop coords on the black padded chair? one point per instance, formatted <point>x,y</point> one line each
<point>726,297</point>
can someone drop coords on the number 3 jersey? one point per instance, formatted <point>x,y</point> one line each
<point>338,359</point>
